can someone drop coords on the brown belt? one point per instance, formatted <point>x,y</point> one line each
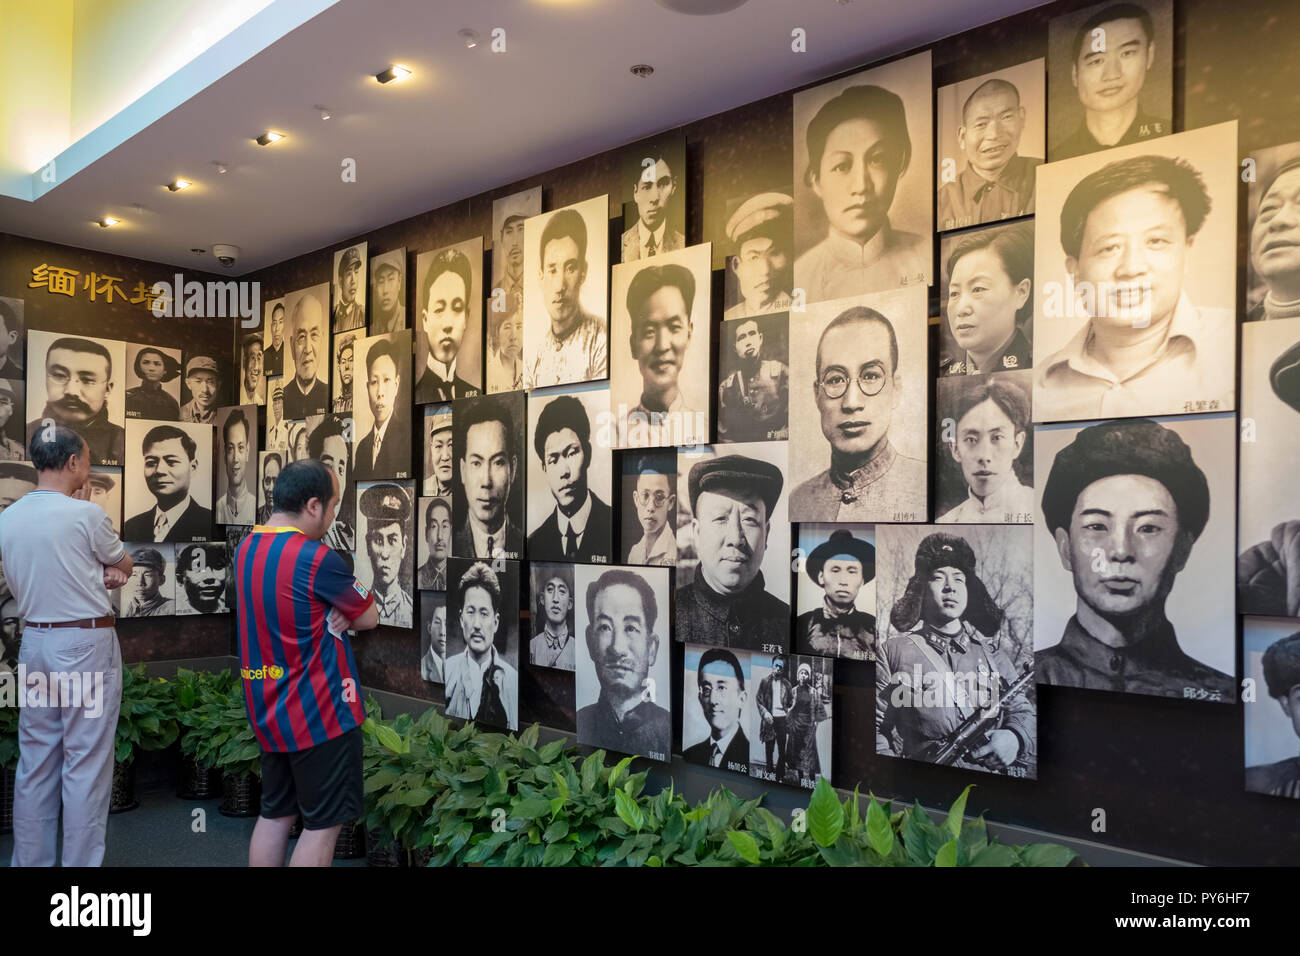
<point>84,622</point>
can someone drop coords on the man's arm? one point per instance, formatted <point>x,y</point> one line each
<point>116,575</point>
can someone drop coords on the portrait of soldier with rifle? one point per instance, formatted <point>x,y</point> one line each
<point>954,685</point>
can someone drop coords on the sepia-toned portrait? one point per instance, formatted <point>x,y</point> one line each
<point>986,306</point>
<point>433,636</point>
<point>1270,653</point>
<point>754,379</point>
<point>984,450</point>
<point>349,290</point>
<point>437,451</point>
<point>306,369</point>
<point>554,639</point>
<point>1273,263</point>
<point>381,415</point>
<point>654,196</point>
<point>648,523</point>
<point>273,335</point>
<point>434,544</point>
<point>236,434</point>
<point>449,334</point>
<point>78,383</point>
<point>760,255</point>
<point>388,292</point>
<point>505,314</point>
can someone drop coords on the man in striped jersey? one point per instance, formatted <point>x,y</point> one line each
<point>297,601</point>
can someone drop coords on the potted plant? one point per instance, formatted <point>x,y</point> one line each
<point>195,692</point>
<point>8,765</point>
<point>397,763</point>
<point>232,749</point>
<point>145,722</point>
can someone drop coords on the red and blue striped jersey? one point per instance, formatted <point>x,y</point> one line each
<point>300,681</point>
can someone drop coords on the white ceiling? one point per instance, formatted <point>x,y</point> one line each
<point>467,121</point>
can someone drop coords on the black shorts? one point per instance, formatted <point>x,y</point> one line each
<point>323,783</point>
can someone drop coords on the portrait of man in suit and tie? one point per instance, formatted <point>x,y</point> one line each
<point>721,685</point>
<point>433,640</point>
<point>382,364</point>
<point>568,517</point>
<point>487,502</point>
<point>450,345</point>
<point>170,486</point>
<point>653,210</point>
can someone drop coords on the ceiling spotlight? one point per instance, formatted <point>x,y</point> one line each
<point>324,111</point>
<point>106,221</point>
<point>221,167</point>
<point>176,185</point>
<point>700,8</point>
<point>642,70</point>
<point>394,72</point>
<point>469,36</point>
<point>197,250</point>
<point>269,137</point>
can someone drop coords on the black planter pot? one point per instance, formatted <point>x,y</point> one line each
<point>123,798</point>
<point>351,843</point>
<point>196,783</point>
<point>240,796</point>
<point>384,854</point>
<point>422,856</point>
<point>7,799</point>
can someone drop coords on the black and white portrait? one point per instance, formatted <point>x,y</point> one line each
<point>388,292</point>
<point>1271,658</point>
<point>733,546</point>
<point>13,428</point>
<point>273,334</point>
<point>345,351</point>
<point>16,479</point>
<point>482,664</point>
<point>986,306</point>
<point>104,488</point>
<point>864,183</point>
<point>754,379</point>
<point>1110,76</point>
<point>835,609</point>
<point>269,466</point>
<point>1273,266</point>
<point>277,427</point>
<point>648,524</point>
<point>437,451</point>
<point>381,415</point>
<point>984,453</point>
<point>205,386</point>
<point>386,547</point>
<point>569,476</point>
<point>505,314</point>
<point>434,545</point>
<point>662,337</point>
<point>554,638</point>
<point>717,707</point>
<point>151,589</point>
<point>760,255</point>
<point>793,707</point>
<point>449,331</point>
<point>1135,279</point>
<point>349,290</point>
<point>1133,548</point>
<point>566,287</point>
<point>154,383</point>
<point>168,481</point>
<point>205,578</point>
<point>78,382</point>
<point>1268,567</point>
<point>306,370</point>
<point>236,434</point>
<point>250,352</point>
<point>433,636</point>
<point>623,681</point>
<point>12,337</point>
<point>991,137</point>
<point>654,196</point>
<point>329,441</point>
<point>859,409</point>
<point>955,672</point>
<point>487,492</point>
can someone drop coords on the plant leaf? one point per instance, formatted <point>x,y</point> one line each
<point>947,855</point>
<point>628,811</point>
<point>957,813</point>
<point>744,844</point>
<point>880,833</point>
<point>825,814</point>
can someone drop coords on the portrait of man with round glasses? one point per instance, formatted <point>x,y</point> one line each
<point>859,363</point>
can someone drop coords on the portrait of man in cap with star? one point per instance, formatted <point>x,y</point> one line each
<point>735,591</point>
<point>438,458</point>
<point>350,288</point>
<point>837,573</point>
<point>386,530</point>
<point>203,389</point>
<point>760,266</point>
<point>151,590</point>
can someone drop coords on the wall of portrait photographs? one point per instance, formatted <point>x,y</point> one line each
<point>833,435</point>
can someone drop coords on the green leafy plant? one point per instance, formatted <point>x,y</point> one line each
<point>217,730</point>
<point>147,719</point>
<point>200,699</point>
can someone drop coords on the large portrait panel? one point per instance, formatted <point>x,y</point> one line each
<point>381,412</point>
<point>386,548</point>
<point>236,435</point>
<point>449,322</point>
<point>153,383</point>
<point>349,288</point>
<point>168,475</point>
<point>306,366</point>
<point>488,476</point>
<point>79,382</point>
<point>482,669</point>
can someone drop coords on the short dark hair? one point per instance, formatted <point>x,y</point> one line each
<point>567,223</point>
<point>874,103</point>
<point>988,88</point>
<point>1014,247</point>
<point>1116,11</point>
<point>237,417</point>
<point>9,316</point>
<point>724,655</point>
<point>860,313</point>
<point>273,456</point>
<point>547,572</point>
<point>447,260</point>
<point>480,575</point>
<point>162,433</point>
<point>53,454</point>
<point>617,576</point>
<point>481,411</point>
<point>330,427</point>
<point>248,340</point>
<point>210,549</point>
<point>299,482</point>
<point>560,413</point>
<point>428,512</point>
<point>1004,394</point>
<point>379,350</point>
<point>1282,665</point>
<point>1177,178</point>
<point>278,305</point>
<point>653,278</point>
<point>75,344</point>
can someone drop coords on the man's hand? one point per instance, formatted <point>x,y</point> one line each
<point>115,578</point>
<point>1001,750</point>
<point>338,621</point>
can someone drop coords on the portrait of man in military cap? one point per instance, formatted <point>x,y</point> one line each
<point>16,479</point>
<point>382,365</point>
<point>11,434</point>
<point>837,589</point>
<point>505,317</point>
<point>169,486</point>
<point>859,410</point>
<point>277,428</point>
<point>385,527</point>
<point>954,672</point>
<point>760,263</point>
<point>104,488</point>
<point>76,382</point>
<point>623,679</point>
<point>482,664</point>
<point>733,590</point>
<point>654,197</point>
<point>718,719</point>
<point>435,543</point>
<point>350,288</point>
<point>306,375</point>
<point>754,379</point>
<point>1131,509</point>
<point>449,322</point>
<point>273,338</point>
<point>569,518</point>
<point>204,578</point>
<point>12,329</point>
<point>203,389</point>
<point>157,372</point>
<point>1271,656</point>
<point>388,292</point>
<point>438,455</point>
<point>487,498</point>
<point>151,590</point>
<point>345,349</point>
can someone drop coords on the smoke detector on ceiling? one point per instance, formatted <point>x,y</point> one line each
<point>700,8</point>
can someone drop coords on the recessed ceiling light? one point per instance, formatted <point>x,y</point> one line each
<point>106,221</point>
<point>394,72</point>
<point>197,250</point>
<point>642,70</point>
<point>469,36</point>
<point>221,167</point>
<point>700,8</point>
<point>176,185</point>
<point>324,111</point>
<point>269,137</point>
